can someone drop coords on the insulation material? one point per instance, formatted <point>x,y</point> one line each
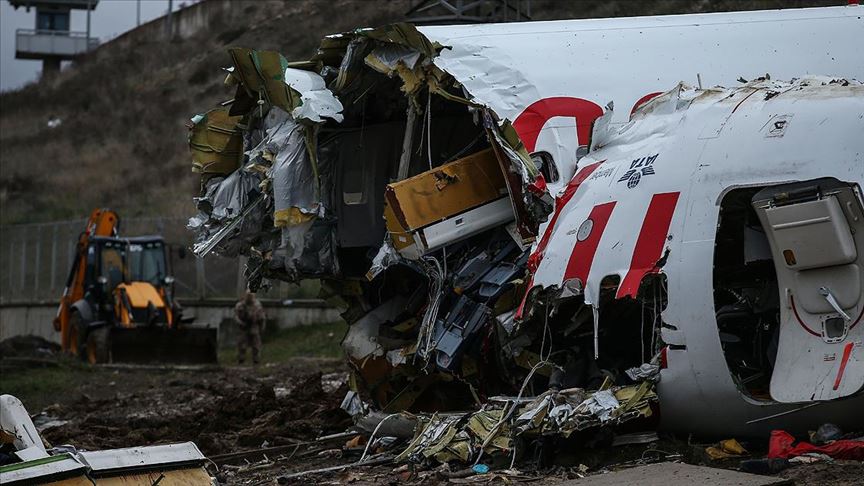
<point>216,142</point>
<point>231,195</point>
<point>390,57</point>
<point>493,429</point>
<point>235,201</point>
<point>293,175</point>
<point>316,101</point>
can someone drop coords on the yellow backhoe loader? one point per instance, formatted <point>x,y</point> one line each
<point>118,304</point>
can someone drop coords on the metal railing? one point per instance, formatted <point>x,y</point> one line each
<point>35,260</point>
<point>61,43</point>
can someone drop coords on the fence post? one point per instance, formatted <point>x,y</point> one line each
<point>38,261</point>
<point>200,278</point>
<point>11,264</point>
<point>70,247</point>
<point>54,258</point>
<point>241,281</point>
<point>23,262</point>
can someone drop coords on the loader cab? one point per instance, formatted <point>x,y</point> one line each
<point>123,275</point>
<point>112,261</point>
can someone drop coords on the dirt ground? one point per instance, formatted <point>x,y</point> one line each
<point>260,425</point>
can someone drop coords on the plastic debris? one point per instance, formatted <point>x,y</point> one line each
<point>783,445</point>
<point>826,433</point>
<point>491,430</point>
<point>726,449</point>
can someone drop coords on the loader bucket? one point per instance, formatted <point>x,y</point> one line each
<point>188,345</point>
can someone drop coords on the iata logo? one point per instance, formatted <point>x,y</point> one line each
<point>639,168</point>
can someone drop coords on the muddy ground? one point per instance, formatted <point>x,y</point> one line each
<point>259,425</point>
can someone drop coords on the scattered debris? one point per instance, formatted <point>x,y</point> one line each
<point>28,347</point>
<point>726,449</point>
<point>495,428</point>
<point>26,460</point>
<point>784,446</point>
<point>678,474</point>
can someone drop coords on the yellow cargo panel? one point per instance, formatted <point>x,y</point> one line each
<point>444,191</point>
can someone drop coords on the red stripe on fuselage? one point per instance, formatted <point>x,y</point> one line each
<point>649,245</point>
<point>847,351</point>
<point>560,202</point>
<point>583,253</point>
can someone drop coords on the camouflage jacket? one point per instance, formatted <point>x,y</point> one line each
<point>249,314</point>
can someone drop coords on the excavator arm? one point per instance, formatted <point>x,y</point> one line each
<point>102,222</point>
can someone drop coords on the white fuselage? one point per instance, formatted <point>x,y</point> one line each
<point>706,144</point>
<point>550,80</point>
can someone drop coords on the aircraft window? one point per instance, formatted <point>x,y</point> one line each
<point>546,165</point>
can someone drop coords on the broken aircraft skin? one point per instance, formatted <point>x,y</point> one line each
<point>715,229</point>
<point>424,175</point>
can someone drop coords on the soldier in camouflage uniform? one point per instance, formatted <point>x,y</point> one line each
<point>250,317</point>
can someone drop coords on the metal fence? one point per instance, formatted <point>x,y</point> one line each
<point>35,260</point>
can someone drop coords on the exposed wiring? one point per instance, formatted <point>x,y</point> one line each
<point>436,285</point>
<point>372,437</point>
<point>494,430</point>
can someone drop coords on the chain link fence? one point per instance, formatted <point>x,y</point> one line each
<point>36,259</point>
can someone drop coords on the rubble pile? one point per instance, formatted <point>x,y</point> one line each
<point>495,429</point>
<point>371,168</point>
<point>28,346</point>
<point>222,415</point>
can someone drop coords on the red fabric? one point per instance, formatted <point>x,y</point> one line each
<point>782,446</point>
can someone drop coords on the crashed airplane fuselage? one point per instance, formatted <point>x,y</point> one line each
<point>733,218</point>
<point>426,174</point>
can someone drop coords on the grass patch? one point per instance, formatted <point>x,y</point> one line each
<point>312,341</point>
<point>40,387</point>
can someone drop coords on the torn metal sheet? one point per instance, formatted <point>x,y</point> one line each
<point>553,109</point>
<point>316,101</point>
<point>16,424</point>
<point>649,225</point>
<point>494,429</point>
<point>362,341</point>
<point>296,193</point>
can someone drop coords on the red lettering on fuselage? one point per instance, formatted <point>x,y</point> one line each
<point>529,123</point>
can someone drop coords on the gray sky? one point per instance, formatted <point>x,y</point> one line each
<point>111,18</point>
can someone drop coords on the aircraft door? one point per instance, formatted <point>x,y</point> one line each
<point>816,233</point>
